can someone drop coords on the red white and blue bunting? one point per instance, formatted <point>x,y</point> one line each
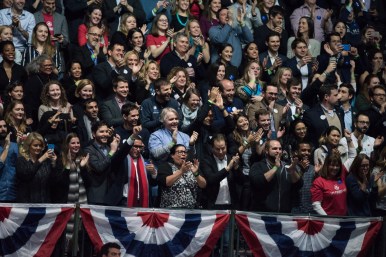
<point>289,236</point>
<point>155,232</point>
<point>32,229</point>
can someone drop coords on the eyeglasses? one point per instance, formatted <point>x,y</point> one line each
<point>181,152</point>
<point>163,20</point>
<point>95,34</point>
<point>380,95</point>
<point>365,166</point>
<point>138,146</point>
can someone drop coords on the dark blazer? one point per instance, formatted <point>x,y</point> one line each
<point>74,13</point>
<point>171,60</point>
<point>316,125</point>
<point>82,132</point>
<point>113,17</point>
<point>111,113</point>
<point>103,75</point>
<point>114,195</point>
<point>213,176</point>
<point>269,64</point>
<point>103,171</point>
<point>83,55</point>
<point>260,35</point>
<point>293,65</point>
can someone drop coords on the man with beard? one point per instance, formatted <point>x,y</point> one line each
<point>273,182</point>
<point>180,57</point>
<point>325,114</point>
<point>8,153</point>
<point>295,105</point>
<point>361,141</point>
<point>130,115</point>
<point>104,157</point>
<point>111,109</point>
<point>268,103</point>
<point>152,107</point>
<point>90,116</point>
<point>91,53</point>
<point>231,105</point>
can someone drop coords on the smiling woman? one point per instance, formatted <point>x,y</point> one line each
<point>179,180</point>
<point>162,140</point>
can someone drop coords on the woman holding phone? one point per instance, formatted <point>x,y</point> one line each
<point>36,171</point>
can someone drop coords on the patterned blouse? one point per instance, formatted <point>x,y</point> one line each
<point>182,194</point>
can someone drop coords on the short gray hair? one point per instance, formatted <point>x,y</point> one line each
<point>165,111</point>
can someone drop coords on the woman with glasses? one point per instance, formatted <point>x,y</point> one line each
<point>363,189</point>
<point>160,37</point>
<point>179,180</point>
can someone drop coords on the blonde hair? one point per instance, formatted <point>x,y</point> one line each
<point>122,25</point>
<point>48,48</point>
<point>82,83</point>
<point>24,149</point>
<point>145,69</point>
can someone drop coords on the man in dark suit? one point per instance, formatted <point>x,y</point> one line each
<point>91,53</point>
<point>113,12</point>
<point>325,114</point>
<point>347,93</point>
<point>111,109</point>
<point>223,176</point>
<point>104,157</point>
<point>104,73</point>
<point>301,63</point>
<point>85,122</point>
<point>271,58</point>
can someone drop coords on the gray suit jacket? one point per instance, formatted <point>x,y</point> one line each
<point>111,113</point>
<point>60,24</point>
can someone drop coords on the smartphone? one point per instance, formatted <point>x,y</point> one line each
<point>346,47</point>
<point>313,59</point>
<point>57,35</point>
<point>332,59</point>
<point>51,146</point>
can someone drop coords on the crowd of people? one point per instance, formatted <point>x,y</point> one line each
<point>257,105</point>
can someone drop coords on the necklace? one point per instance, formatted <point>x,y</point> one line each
<point>179,20</point>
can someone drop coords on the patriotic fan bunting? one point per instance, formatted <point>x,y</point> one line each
<point>31,229</point>
<point>144,232</point>
<point>276,236</point>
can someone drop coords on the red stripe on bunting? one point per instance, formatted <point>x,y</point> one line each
<point>369,239</point>
<point>217,230</point>
<point>249,236</point>
<point>90,228</point>
<point>55,232</point>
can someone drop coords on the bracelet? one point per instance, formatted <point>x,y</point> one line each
<point>242,23</point>
<point>274,168</point>
<point>196,174</point>
<point>110,154</point>
<point>211,102</point>
<point>154,11</point>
